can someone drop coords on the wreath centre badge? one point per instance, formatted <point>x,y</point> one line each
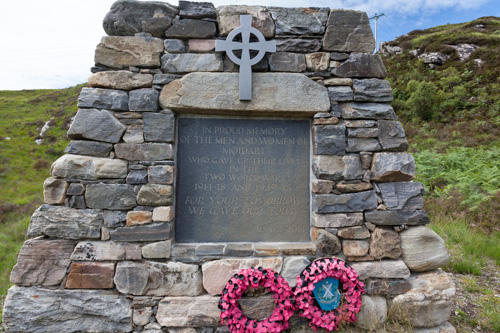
<point>327,294</point>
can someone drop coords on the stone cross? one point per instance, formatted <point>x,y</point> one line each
<point>245,62</point>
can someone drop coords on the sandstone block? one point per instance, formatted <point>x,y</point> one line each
<point>142,233</point>
<point>155,195</point>
<point>329,139</point>
<point>189,28</point>
<point>200,311</point>
<point>326,242</point>
<point>93,124</point>
<point>356,232</point>
<point>385,243</point>
<point>299,21</point>
<point>353,186</point>
<point>139,218</point>
<point>191,62</point>
<point>228,18</point>
<point>287,62</point>
<point>100,251</point>
<point>66,223</point>
<point>402,195</point>
<point>123,52</point>
<point>127,18</point>
<point>144,151</point>
<point>196,10</point>
<point>322,186</point>
<point>42,262</point>
<point>298,45</point>
<point>338,82</point>
<point>91,275</point>
<point>143,100</point>
<point>392,136</point>
<point>348,31</point>
<point>337,220</point>
<point>159,127</point>
<point>92,148</point>
<point>318,61</point>
<point>292,267</point>
<point>103,99</point>
<point>429,301</point>
<point>362,65</point>
<point>158,279</point>
<point>355,248</point>
<point>43,310</point>
<point>110,196</point>
<point>121,80</point>
<point>397,217</point>
<point>54,191</point>
<point>367,111</point>
<point>217,273</point>
<point>290,93</point>
<point>392,167</point>
<point>383,269</point>
<point>158,250</point>
<point>344,203</point>
<point>201,45</point>
<point>163,214</point>
<point>340,93</point>
<point>373,313</point>
<point>423,249</point>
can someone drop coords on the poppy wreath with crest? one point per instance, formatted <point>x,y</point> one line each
<point>231,314</point>
<point>350,289</point>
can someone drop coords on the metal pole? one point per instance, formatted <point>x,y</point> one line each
<point>376,17</point>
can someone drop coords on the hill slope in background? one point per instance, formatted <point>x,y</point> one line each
<point>450,109</point>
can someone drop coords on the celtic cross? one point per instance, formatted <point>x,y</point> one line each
<point>245,62</point>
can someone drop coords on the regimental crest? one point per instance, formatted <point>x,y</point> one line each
<point>327,293</point>
<point>245,62</point>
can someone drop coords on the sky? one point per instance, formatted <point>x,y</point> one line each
<point>51,44</point>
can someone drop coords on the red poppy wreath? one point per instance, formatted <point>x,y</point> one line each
<point>350,289</point>
<point>231,314</point>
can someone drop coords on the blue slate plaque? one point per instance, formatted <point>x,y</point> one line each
<point>327,294</point>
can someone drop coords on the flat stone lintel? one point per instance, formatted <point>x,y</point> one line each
<point>274,94</point>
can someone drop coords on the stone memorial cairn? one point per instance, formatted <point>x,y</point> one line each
<point>102,255</point>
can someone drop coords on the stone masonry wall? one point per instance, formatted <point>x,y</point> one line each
<point>102,255</point>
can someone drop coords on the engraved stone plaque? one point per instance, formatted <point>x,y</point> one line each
<point>242,180</point>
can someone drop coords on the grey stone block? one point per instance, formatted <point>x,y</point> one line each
<point>126,52</point>
<point>287,62</point>
<point>348,31</point>
<point>159,127</point>
<point>155,195</point>
<point>114,218</point>
<point>392,136</point>
<point>329,140</point>
<point>228,18</point>
<point>361,65</point>
<point>392,167</point>
<point>91,148</point>
<point>161,174</point>
<point>345,203</point>
<point>110,196</point>
<point>137,177</point>
<point>188,28</point>
<point>367,111</point>
<point>142,233</point>
<point>402,195</point>
<point>362,133</point>
<point>397,217</point>
<point>143,100</point>
<point>103,99</point>
<point>77,201</point>
<point>191,62</point>
<point>75,189</point>
<point>340,94</point>
<point>164,78</point>
<point>372,90</point>
<point>93,124</point>
<point>298,45</point>
<point>197,10</point>
<point>144,151</point>
<point>327,243</point>
<point>299,21</point>
<point>358,145</point>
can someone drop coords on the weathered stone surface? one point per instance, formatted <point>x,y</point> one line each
<point>348,31</point>
<point>367,111</point>
<point>326,242</point>
<point>66,223</point>
<point>337,167</point>
<point>91,275</point>
<point>358,145</point>
<point>299,21</point>
<point>142,317</point>
<point>122,52</point>
<point>126,18</point>
<point>43,310</point>
<point>142,233</point>
<point>158,279</point>
<point>174,46</point>
<point>318,61</point>
<point>161,174</point>
<point>353,186</point>
<point>228,18</point>
<point>387,287</point>
<point>362,65</point>
<point>344,203</point>
<point>75,189</point>
<point>191,62</point>
<point>402,195</point>
<point>189,311</point>
<point>144,151</point>
<point>329,140</point>
<point>103,99</point>
<point>337,220</point>
<point>54,191</point>
<point>338,82</point>
<point>189,28</point>
<point>158,250</point>
<point>114,218</point>
<point>121,80</point>
<point>428,303</point>
<point>139,218</point>
<point>339,56</point>
<point>423,249</point>
<point>137,177</point>
<point>287,62</point>
<point>362,132</point>
<point>385,243</point>
<point>355,248</point>
<point>272,93</point>
<point>191,9</point>
<point>392,167</point>
<point>392,136</point>
<point>326,121</point>
<point>163,214</point>
<point>357,232</point>
<point>340,93</point>
<point>110,196</point>
<point>360,123</point>
<point>92,148</point>
<point>159,127</point>
<point>322,186</point>
<point>99,251</point>
<point>292,267</point>
<point>134,134</point>
<point>143,100</point>
<point>201,45</point>
<point>155,195</point>
<point>446,327</point>
<point>398,217</point>
<point>217,273</point>
<point>42,262</point>
<point>383,269</point>
<point>93,124</point>
<point>372,90</point>
<point>373,312</point>
<point>298,45</point>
